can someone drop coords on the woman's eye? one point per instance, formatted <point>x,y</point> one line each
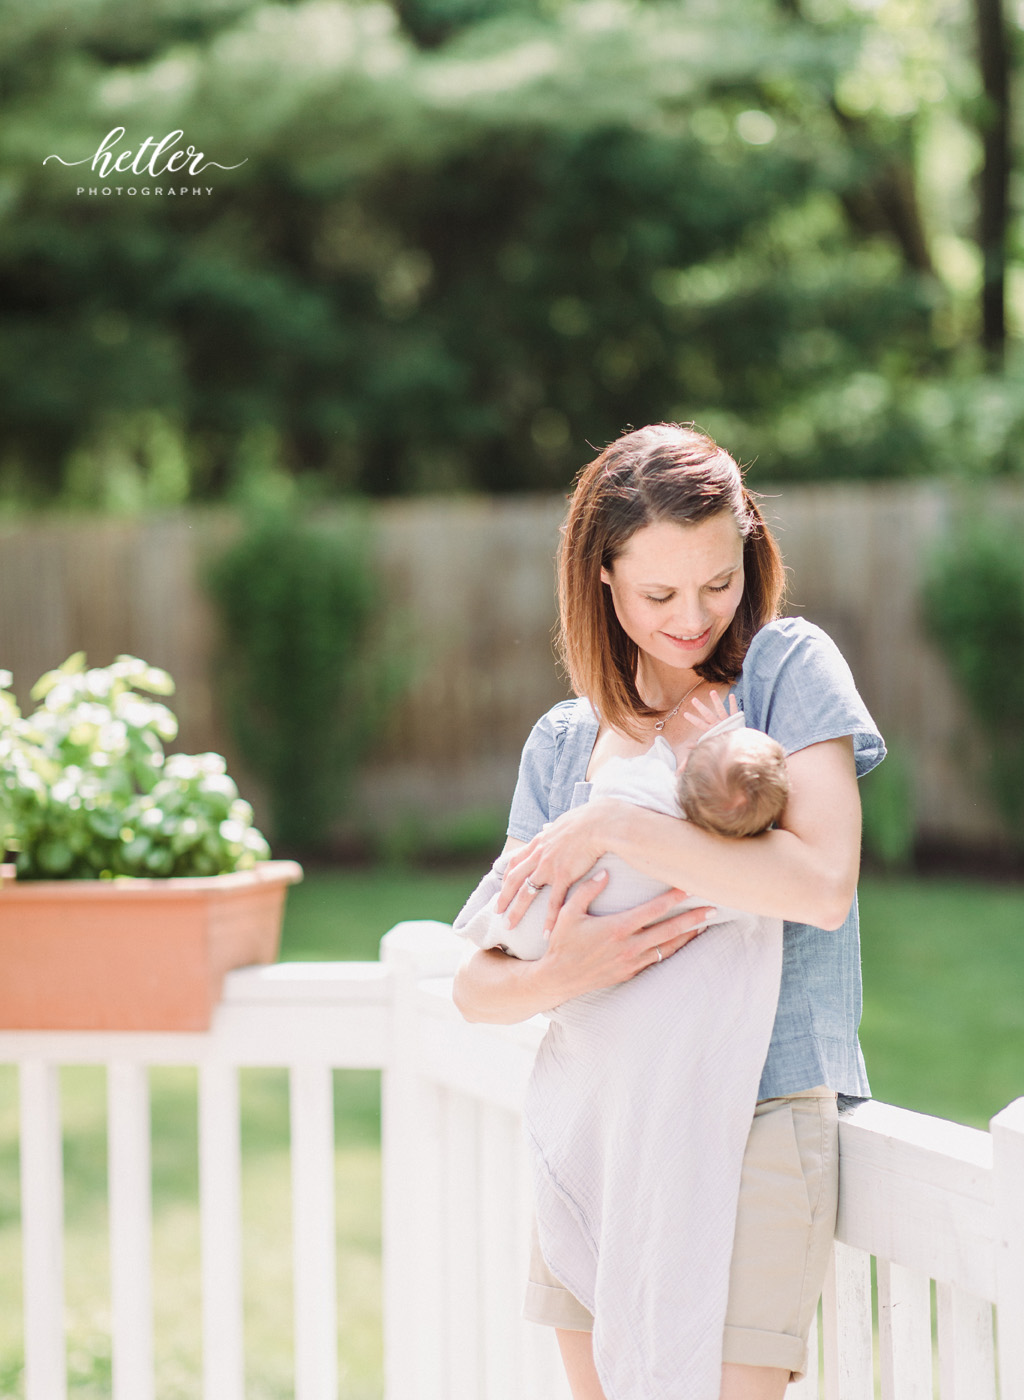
<point>657,600</point>
<point>719,587</point>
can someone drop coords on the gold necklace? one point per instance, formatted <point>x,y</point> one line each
<point>659,724</point>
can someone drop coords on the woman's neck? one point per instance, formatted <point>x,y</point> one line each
<point>662,687</point>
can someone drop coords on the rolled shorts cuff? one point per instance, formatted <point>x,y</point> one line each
<point>555,1307</point>
<point>744,1346</point>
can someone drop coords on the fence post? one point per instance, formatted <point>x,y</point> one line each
<point>412,1128</point>
<point>1008,1169</point>
<point>220,1230</point>
<point>311,1101</point>
<point>129,1176</point>
<point>42,1216</point>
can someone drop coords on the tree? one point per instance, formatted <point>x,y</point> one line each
<point>468,237</point>
<point>994,179</point>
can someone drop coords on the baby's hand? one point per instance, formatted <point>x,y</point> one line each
<point>707,716</point>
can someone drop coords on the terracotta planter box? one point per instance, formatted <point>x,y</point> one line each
<point>132,954</point>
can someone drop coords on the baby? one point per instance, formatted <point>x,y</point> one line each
<point>732,781</point>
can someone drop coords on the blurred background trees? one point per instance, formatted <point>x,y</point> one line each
<point>470,237</point>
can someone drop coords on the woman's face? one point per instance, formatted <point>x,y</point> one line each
<point>675,588</point>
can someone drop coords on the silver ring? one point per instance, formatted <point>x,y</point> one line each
<point>534,889</point>
<point>658,951</point>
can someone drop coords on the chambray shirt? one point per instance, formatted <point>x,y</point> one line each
<point>795,686</point>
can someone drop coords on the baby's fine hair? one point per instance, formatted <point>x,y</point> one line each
<point>735,784</point>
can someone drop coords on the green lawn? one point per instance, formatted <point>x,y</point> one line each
<point>943,1033</point>
<point>345,913</point>
<point>943,1027</point>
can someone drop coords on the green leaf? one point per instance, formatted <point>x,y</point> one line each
<point>136,852</point>
<point>159,862</point>
<point>139,673</point>
<point>73,666</point>
<point>105,824</point>
<point>55,857</point>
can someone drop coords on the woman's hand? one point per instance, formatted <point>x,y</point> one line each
<point>560,854</point>
<point>586,953</point>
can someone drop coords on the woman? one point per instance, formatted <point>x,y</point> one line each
<point>669,585</point>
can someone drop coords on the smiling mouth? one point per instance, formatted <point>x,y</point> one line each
<point>697,641</point>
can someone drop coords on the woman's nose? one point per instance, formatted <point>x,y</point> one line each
<point>688,620</point>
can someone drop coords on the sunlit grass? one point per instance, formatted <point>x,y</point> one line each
<point>345,913</point>
<point>943,1027</point>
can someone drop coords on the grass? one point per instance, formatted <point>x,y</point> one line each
<point>943,1033</point>
<point>344,913</point>
<point>943,1026</point>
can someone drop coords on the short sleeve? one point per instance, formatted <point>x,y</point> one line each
<point>796,687</point>
<point>531,801</point>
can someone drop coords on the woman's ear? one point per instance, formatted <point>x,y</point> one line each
<point>605,576</point>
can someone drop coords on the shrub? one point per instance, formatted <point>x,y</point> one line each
<point>887,800</point>
<point>974,609</point>
<point>304,670</point>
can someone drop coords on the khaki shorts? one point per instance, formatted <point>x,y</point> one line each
<point>785,1221</point>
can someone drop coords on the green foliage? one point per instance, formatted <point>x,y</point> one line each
<point>887,804</point>
<point>974,608</point>
<point>305,670</point>
<point>427,841</point>
<point>468,238</point>
<point>87,792</point>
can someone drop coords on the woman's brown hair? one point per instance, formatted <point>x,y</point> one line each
<point>663,472</point>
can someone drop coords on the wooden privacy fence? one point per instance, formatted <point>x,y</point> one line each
<point>929,1200</point>
<point>474,578</point>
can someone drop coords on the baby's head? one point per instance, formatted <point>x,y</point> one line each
<point>735,783</point>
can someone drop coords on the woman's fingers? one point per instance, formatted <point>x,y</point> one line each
<point>667,934</point>
<point>658,937</point>
<point>524,897</point>
<point>672,934</point>
<point>591,951</point>
<point>638,923</point>
<point>513,882</point>
<point>556,897</point>
<point>637,919</point>
<point>559,855</point>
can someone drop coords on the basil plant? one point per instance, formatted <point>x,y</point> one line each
<point>87,791</point>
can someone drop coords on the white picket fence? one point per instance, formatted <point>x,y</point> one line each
<point>930,1200</point>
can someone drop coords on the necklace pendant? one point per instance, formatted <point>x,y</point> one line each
<point>659,725</point>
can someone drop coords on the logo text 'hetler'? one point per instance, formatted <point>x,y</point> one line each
<point>152,158</point>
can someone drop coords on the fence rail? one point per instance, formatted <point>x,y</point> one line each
<point>930,1200</point>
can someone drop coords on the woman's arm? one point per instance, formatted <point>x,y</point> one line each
<point>585,953</point>
<point>805,870</point>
